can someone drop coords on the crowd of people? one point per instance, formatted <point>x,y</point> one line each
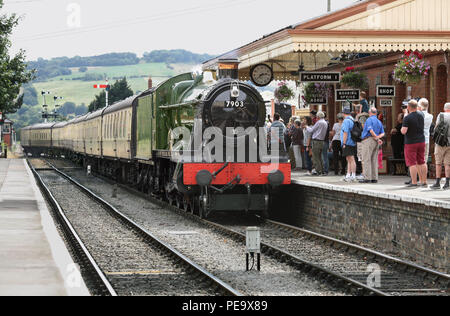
<point>354,143</point>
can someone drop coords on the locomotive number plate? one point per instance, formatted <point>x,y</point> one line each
<point>234,104</point>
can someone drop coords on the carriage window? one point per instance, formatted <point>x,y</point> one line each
<point>116,116</point>
<point>125,124</point>
<point>122,125</point>
<point>119,125</point>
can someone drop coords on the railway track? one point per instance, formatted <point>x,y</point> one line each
<point>336,262</point>
<point>396,277</point>
<point>118,256</point>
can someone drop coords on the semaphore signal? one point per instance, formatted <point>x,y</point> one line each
<point>106,87</point>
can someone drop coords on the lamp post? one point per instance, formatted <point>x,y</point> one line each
<point>329,6</point>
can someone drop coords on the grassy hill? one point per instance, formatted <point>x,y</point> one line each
<point>79,91</point>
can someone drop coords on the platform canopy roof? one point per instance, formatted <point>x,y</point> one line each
<point>371,26</point>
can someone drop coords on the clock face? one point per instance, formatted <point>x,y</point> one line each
<point>261,75</point>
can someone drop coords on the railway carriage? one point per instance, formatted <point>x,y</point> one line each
<point>133,142</point>
<point>58,135</point>
<point>93,134</point>
<point>38,138</point>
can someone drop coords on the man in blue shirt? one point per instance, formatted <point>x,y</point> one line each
<point>371,140</point>
<point>348,145</point>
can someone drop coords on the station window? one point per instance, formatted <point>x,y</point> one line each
<point>6,129</point>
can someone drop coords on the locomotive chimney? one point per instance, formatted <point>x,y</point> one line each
<point>150,82</point>
<point>229,68</point>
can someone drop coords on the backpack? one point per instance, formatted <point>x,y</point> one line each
<point>432,128</point>
<point>440,135</point>
<point>357,132</point>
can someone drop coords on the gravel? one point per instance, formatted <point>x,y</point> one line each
<point>130,264</point>
<point>221,256</point>
<point>39,164</point>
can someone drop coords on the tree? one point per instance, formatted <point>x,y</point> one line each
<point>67,108</point>
<point>120,90</point>
<point>30,95</point>
<point>83,69</point>
<point>13,71</point>
<point>81,109</point>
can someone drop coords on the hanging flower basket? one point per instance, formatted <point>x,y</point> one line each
<point>411,69</point>
<point>314,90</point>
<point>283,93</point>
<point>355,79</point>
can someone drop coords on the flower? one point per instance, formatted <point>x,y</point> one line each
<point>283,92</point>
<point>348,69</point>
<point>411,68</point>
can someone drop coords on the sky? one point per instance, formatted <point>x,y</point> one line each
<point>54,28</point>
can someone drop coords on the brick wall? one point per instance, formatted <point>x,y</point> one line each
<point>421,233</point>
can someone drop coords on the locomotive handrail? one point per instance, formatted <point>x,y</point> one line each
<point>180,105</point>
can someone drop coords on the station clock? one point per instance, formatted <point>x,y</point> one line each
<point>261,75</point>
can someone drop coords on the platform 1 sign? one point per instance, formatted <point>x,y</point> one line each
<point>348,95</point>
<point>320,77</point>
<point>386,91</point>
<point>386,103</point>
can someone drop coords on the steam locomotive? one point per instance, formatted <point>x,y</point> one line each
<point>137,142</point>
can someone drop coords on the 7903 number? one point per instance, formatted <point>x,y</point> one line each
<point>234,104</point>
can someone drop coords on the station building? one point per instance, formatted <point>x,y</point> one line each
<point>8,132</point>
<point>379,31</point>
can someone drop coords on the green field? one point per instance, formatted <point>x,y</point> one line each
<point>79,92</point>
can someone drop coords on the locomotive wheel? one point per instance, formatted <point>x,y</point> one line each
<point>186,204</point>
<point>203,209</point>
<point>193,204</point>
<point>178,202</point>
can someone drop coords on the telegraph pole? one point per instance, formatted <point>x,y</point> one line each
<point>329,6</point>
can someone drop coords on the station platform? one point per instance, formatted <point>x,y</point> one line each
<point>34,260</point>
<point>389,187</point>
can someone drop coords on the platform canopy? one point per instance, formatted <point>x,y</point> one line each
<point>372,26</point>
